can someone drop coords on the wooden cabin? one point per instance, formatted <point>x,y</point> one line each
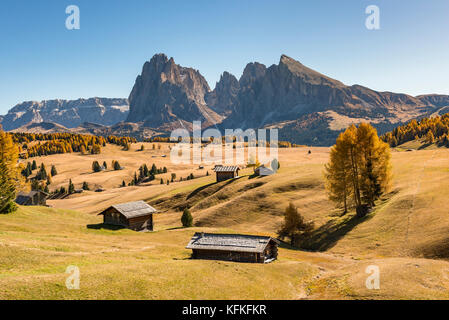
<point>137,216</point>
<point>226,172</point>
<point>33,198</point>
<point>233,247</point>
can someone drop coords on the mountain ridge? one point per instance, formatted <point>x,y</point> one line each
<point>306,106</point>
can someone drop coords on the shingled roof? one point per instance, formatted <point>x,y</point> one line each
<point>226,168</point>
<point>132,209</point>
<point>229,242</point>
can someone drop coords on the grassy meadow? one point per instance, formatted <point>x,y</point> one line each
<point>406,236</point>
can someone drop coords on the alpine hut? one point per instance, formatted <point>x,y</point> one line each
<point>226,172</point>
<point>136,216</point>
<point>233,247</point>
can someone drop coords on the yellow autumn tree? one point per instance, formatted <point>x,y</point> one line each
<point>9,173</point>
<point>359,170</point>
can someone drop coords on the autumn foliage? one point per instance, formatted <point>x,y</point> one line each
<point>359,170</point>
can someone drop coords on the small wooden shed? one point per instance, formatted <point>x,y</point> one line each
<point>234,247</point>
<point>33,198</point>
<point>226,172</point>
<point>136,215</point>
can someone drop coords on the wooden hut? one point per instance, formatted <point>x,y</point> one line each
<point>233,247</point>
<point>33,198</point>
<point>226,172</point>
<point>136,216</point>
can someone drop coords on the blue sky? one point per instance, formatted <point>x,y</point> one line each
<point>41,59</point>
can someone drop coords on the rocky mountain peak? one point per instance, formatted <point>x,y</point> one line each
<point>222,100</point>
<point>166,93</point>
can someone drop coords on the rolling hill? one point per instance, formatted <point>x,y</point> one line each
<point>406,235</point>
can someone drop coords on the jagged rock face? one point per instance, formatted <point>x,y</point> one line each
<point>298,100</point>
<point>224,97</point>
<point>69,113</point>
<point>166,94</point>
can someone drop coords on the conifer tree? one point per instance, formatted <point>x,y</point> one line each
<point>186,218</point>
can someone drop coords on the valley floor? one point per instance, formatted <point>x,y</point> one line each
<point>406,237</point>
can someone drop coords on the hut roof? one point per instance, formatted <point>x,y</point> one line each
<point>226,168</point>
<point>229,242</point>
<point>132,209</point>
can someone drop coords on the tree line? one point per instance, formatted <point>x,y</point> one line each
<point>59,143</point>
<point>432,130</point>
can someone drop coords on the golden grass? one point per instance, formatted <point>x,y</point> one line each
<point>406,236</point>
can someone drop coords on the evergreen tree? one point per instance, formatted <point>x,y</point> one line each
<point>186,218</point>
<point>86,186</point>
<point>71,188</point>
<point>96,166</point>
<point>53,172</point>
<point>34,165</point>
<point>105,165</point>
<point>116,165</point>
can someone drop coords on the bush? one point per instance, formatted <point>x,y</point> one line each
<point>187,219</point>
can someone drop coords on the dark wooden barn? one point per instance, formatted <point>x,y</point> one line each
<point>136,216</point>
<point>33,198</point>
<point>233,247</point>
<point>226,172</point>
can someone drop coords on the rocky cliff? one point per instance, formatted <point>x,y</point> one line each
<point>168,96</point>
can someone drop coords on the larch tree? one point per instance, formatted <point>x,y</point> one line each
<point>9,173</point>
<point>359,168</point>
<point>294,225</point>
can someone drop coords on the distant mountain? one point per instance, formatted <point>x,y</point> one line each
<point>68,113</point>
<point>42,127</point>
<point>306,106</point>
<point>166,96</point>
<point>310,108</point>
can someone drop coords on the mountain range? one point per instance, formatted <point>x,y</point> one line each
<point>306,106</point>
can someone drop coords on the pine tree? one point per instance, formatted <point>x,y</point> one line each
<point>34,165</point>
<point>116,165</point>
<point>86,186</point>
<point>71,188</point>
<point>53,172</point>
<point>105,165</point>
<point>96,166</point>
<point>9,173</point>
<point>186,218</point>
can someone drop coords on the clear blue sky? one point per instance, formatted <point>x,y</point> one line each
<point>41,59</point>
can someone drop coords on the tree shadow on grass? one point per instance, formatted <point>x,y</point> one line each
<point>100,226</point>
<point>327,236</point>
